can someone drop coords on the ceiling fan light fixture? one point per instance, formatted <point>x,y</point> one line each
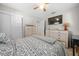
<point>41,6</point>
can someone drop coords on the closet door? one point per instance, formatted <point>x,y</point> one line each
<point>16,26</point>
<point>5,23</point>
<point>0,23</point>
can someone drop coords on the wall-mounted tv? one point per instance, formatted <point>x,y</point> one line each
<point>55,20</point>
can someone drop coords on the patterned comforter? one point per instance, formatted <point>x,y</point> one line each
<point>39,46</point>
<point>33,46</point>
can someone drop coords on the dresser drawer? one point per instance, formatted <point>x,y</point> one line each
<point>59,35</point>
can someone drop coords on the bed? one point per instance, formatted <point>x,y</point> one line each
<point>32,46</point>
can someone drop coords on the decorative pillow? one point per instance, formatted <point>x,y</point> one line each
<point>48,39</point>
<point>3,37</point>
<point>1,42</point>
<point>6,47</point>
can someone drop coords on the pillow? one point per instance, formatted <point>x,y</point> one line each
<point>3,37</point>
<point>48,39</point>
<point>1,42</point>
<point>6,46</point>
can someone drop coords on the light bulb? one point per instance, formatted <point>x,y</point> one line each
<point>57,19</point>
<point>41,6</point>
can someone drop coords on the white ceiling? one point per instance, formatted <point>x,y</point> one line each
<point>27,8</point>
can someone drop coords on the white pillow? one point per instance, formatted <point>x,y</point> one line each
<point>48,39</point>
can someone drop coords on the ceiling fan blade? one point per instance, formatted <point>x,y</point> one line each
<point>46,3</point>
<point>42,6</point>
<point>35,7</point>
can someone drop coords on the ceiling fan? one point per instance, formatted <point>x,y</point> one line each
<point>42,6</point>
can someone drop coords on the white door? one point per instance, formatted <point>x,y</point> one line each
<point>16,26</point>
<point>11,25</point>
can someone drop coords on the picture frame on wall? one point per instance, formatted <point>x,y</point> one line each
<point>55,20</point>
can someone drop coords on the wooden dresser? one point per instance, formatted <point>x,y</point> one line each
<point>30,30</point>
<point>59,35</point>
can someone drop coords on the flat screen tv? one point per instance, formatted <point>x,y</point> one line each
<point>55,20</point>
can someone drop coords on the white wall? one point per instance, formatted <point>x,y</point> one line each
<point>72,17</point>
<point>40,28</point>
<point>11,24</point>
<point>27,19</point>
<point>5,23</point>
<point>9,10</point>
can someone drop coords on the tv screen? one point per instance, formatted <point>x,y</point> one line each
<point>55,20</point>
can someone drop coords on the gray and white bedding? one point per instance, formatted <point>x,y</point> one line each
<point>33,46</point>
<point>6,47</point>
